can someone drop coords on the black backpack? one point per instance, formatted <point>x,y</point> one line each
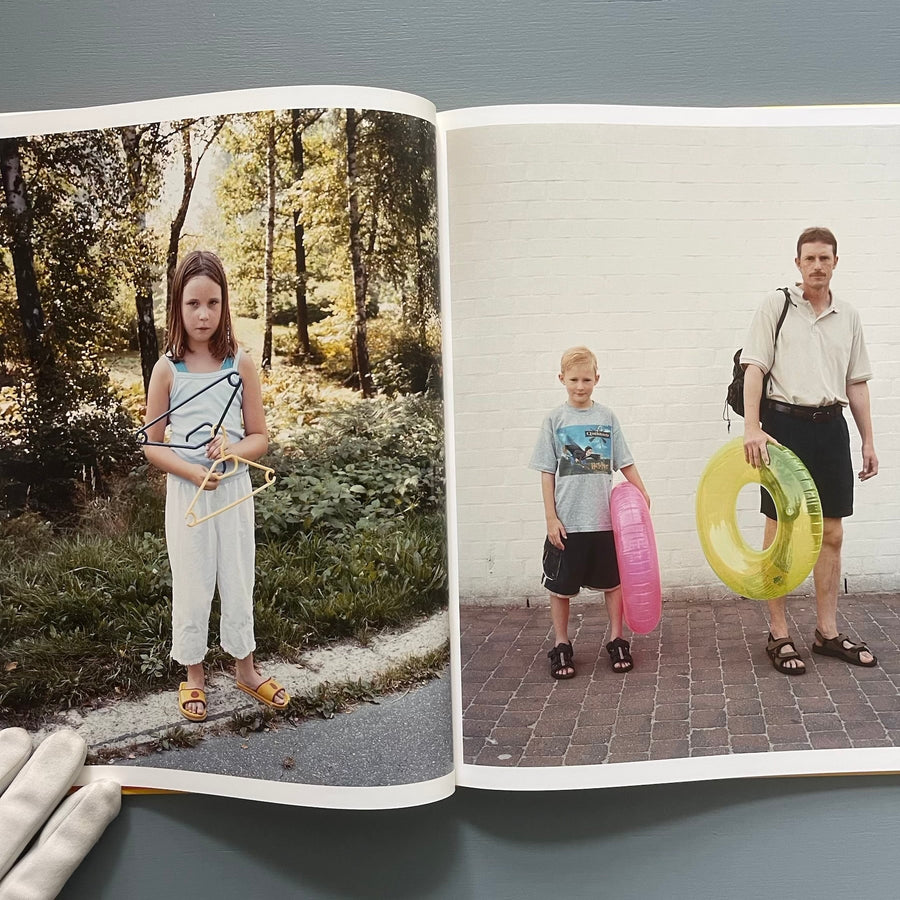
<point>735,395</point>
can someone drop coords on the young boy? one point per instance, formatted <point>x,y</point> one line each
<point>581,444</point>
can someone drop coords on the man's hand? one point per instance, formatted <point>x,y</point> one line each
<point>870,463</point>
<point>755,440</point>
<point>31,793</point>
<point>555,533</point>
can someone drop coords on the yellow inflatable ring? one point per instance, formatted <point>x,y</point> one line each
<point>776,571</point>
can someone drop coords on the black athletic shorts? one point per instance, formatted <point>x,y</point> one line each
<point>824,448</point>
<point>588,560</point>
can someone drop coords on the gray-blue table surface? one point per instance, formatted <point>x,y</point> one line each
<point>775,837</point>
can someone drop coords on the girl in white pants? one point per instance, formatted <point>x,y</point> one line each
<point>192,383</point>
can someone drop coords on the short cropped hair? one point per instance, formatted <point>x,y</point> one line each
<point>577,356</point>
<point>817,235</point>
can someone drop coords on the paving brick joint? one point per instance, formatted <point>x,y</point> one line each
<point>702,685</point>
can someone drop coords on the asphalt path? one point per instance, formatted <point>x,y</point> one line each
<point>402,739</point>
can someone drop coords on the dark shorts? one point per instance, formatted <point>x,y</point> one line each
<point>588,560</point>
<point>824,448</point>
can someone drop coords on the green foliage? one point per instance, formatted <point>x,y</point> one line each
<point>242,204</point>
<point>404,361</point>
<point>378,460</point>
<point>64,430</point>
<point>397,195</point>
<point>295,398</point>
<point>247,721</point>
<point>122,326</point>
<point>64,423</point>
<point>177,738</point>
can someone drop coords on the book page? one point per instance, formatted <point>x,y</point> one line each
<point>651,237</point>
<point>256,605</point>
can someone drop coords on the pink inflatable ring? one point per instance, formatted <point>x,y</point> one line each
<point>638,561</point>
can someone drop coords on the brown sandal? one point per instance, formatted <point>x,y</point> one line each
<point>779,659</point>
<point>835,647</point>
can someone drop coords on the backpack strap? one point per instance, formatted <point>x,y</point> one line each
<point>784,312</point>
<point>787,303</point>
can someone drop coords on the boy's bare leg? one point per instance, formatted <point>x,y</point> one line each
<point>195,678</point>
<point>614,611</point>
<point>246,674</point>
<point>778,626</point>
<point>559,613</point>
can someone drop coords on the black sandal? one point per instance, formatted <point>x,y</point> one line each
<point>835,647</point>
<point>779,659</point>
<point>561,657</point>
<point>619,652</point>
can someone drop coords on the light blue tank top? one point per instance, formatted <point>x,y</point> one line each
<point>191,424</point>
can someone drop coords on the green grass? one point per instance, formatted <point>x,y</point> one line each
<point>85,617</point>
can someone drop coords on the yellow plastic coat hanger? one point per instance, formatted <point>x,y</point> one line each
<point>191,517</point>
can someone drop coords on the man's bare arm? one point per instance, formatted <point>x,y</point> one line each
<point>755,439</point>
<point>858,395</point>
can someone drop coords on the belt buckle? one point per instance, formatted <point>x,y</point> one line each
<point>820,415</point>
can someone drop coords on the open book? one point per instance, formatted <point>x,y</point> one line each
<point>405,282</point>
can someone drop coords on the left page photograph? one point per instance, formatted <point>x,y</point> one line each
<point>223,552</point>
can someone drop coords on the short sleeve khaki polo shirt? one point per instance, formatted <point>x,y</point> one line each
<point>817,355</point>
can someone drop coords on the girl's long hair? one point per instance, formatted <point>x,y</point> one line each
<point>197,263</point>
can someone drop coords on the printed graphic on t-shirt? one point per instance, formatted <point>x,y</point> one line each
<point>587,450</point>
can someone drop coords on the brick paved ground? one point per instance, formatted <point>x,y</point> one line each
<point>702,684</point>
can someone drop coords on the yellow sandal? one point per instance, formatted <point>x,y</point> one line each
<point>266,692</point>
<point>191,695</point>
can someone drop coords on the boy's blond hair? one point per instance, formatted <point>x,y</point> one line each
<point>577,356</point>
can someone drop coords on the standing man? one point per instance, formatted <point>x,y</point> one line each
<point>821,366</point>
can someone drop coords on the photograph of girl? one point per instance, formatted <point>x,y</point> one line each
<point>222,519</point>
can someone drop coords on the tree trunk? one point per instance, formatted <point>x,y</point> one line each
<point>270,243</point>
<point>360,344</point>
<point>420,286</point>
<point>188,176</point>
<point>299,238</point>
<point>19,213</point>
<point>141,273</point>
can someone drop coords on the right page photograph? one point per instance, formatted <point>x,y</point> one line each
<point>605,266</point>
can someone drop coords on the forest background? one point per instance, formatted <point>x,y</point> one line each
<point>326,222</point>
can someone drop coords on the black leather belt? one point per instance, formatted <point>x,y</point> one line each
<point>810,413</point>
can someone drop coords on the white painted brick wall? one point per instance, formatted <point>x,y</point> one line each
<point>653,246</point>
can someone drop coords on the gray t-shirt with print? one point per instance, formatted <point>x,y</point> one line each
<point>582,448</point>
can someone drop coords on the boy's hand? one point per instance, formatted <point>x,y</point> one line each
<point>555,533</point>
<point>646,497</point>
